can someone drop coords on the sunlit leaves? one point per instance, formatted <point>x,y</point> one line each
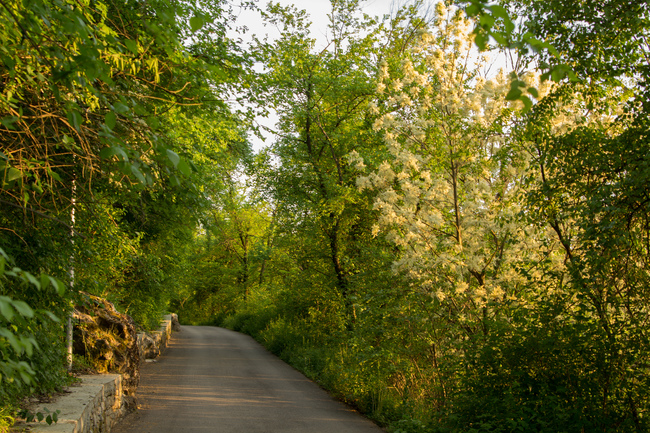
<point>15,316</point>
<point>599,40</point>
<point>131,46</point>
<point>86,94</point>
<point>184,167</point>
<point>173,157</point>
<point>90,71</point>
<point>196,22</point>
<point>493,21</point>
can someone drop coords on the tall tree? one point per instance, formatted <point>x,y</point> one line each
<point>321,98</point>
<point>85,86</point>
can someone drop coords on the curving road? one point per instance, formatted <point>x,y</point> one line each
<point>216,380</point>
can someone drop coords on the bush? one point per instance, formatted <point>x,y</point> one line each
<point>548,377</point>
<point>32,347</point>
<point>280,338</point>
<point>6,418</point>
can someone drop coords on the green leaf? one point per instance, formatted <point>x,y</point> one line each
<point>514,94</point>
<point>111,120</point>
<point>8,122</point>
<point>499,12</point>
<point>120,108</point>
<point>27,378</point>
<point>6,309</point>
<point>557,74</point>
<point>23,309</point>
<point>54,175</point>
<point>138,174</point>
<point>67,141</point>
<point>500,38</point>
<point>52,316</point>
<point>75,119</point>
<point>196,23</point>
<point>108,152</point>
<point>32,279</point>
<point>173,157</point>
<point>153,122</point>
<point>13,174</point>
<point>131,46</point>
<point>481,40</point>
<point>472,10</point>
<point>12,340</point>
<point>8,61</point>
<point>487,21</point>
<point>29,349</point>
<point>58,285</point>
<point>184,167</point>
<point>510,27</point>
<point>528,104</point>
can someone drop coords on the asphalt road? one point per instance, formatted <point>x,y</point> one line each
<point>215,380</point>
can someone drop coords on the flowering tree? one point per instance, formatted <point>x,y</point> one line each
<point>448,197</point>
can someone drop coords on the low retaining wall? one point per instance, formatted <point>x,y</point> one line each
<point>151,344</point>
<point>94,405</point>
<point>97,403</point>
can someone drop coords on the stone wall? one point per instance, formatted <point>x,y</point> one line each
<point>93,406</point>
<point>108,340</point>
<point>151,344</point>
<point>98,402</point>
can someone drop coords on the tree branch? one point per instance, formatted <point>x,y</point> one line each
<point>39,213</point>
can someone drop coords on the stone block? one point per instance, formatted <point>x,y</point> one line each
<point>93,406</point>
<point>99,401</point>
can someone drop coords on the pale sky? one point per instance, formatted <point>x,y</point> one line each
<point>317,11</point>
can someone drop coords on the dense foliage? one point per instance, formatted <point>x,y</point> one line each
<point>108,111</point>
<point>448,242</point>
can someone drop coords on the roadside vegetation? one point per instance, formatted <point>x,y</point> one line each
<point>449,228</point>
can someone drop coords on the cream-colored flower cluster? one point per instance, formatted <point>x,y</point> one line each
<point>449,196</point>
